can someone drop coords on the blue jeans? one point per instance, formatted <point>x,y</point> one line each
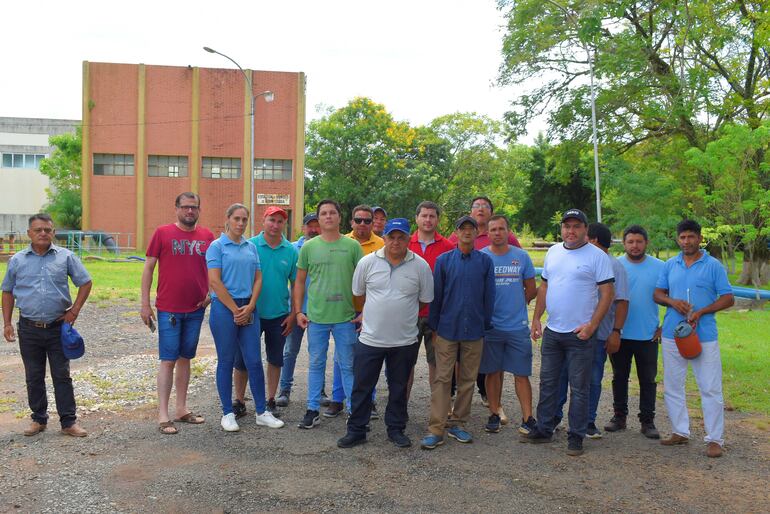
<point>338,393</point>
<point>556,350</point>
<point>228,338</point>
<point>318,347</point>
<point>595,391</point>
<point>290,352</point>
<point>180,338</point>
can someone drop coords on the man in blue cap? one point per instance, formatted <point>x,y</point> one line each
<point>394,283</point>
<point>37,282</point>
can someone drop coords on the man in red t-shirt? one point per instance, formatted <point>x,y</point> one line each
<point>428,244</point>
<point>180,250</point>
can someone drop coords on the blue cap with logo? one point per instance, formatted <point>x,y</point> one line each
<point>401,224</point>
<point>72,342</point>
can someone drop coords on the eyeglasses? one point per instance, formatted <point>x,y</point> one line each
<point>480,206</point>
<point>358,221</point>
<point>188,207</point>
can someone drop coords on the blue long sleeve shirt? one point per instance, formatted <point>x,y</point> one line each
<point>463,295</point>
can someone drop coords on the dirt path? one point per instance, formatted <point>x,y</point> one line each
<point>125,465</point>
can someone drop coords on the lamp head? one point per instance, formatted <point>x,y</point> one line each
<point>209,50</point>
<point>269,96</point>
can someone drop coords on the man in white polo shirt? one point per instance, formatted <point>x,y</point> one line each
<point>395,284</point>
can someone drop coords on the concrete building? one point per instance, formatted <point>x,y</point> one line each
<point>23,144</point>
<point>151,132</point>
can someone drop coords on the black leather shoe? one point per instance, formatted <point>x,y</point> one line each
<point>351,440</point>
<point>399,439</point>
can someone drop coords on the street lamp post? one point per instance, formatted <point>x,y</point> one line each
<point>269,97</point>
<point>591,58</point>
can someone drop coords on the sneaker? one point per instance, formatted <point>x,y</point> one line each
<point>399,439</point>
<point>272,407</point>
<point>229,424</point>
<point>374,414</point>
<point>503,417</point>
<point>592,432</point>
<point>616,424</point>
<point>266,419</point>
<point>527,426</point>
<point>575,447</point>
<point>713,450</point>
<point>484,400</point>
<point>674,440</point>
<point>649,431</point>
<point>459,434</point>
<point>334,410</point>
<point>493,424</point>
<point>535,437</point>
<point>325,400</point>
<point>283,399</point>
<point>239,409</point>
<point>430,441</point>
<point>310,420</point>
<point>350,440</point>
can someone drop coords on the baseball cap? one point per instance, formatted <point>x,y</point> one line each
<point>466,219</point>
<point>574,213</point>
<point>401,224</point>
<point>309,217</point>
<point>378,208</point>
<point>274,209</point>
<point>71,342</point>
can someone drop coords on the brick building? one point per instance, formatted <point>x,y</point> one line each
<point>151,132</point>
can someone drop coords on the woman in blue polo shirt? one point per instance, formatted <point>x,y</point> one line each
<point>236,280</point>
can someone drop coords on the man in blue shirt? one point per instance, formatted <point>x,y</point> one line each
<point>641,334</point>
<point>37,282</point>
<point>693,286</point>
<point>462,308</point>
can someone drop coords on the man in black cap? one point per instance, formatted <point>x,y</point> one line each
<point>576,290</point>
<point>463,302</point>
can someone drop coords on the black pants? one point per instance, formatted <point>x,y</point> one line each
<point>645,353</point>
<point>367,364</point>
<point>36,345</point>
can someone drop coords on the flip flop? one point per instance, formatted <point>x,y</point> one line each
<point>167,428</point>
<point>191,418</point>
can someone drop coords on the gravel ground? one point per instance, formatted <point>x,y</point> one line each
<point>125,465</point>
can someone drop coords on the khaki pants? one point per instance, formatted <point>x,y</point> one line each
<point>440,398</point>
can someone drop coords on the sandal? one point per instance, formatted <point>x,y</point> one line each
<point>167,428</point>
<point>192,418</point>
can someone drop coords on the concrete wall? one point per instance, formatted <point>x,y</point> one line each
<point>16,223</point>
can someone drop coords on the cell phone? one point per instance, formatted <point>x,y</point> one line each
<point>151,324</point>
<point>251,319</point>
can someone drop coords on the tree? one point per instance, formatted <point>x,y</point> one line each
<point>360,154</point>
<point>738,205</point>
<point>63,169</point>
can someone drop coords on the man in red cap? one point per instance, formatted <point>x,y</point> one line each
<point>278,259</point>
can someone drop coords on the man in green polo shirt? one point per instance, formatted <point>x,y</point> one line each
<point>278,259</point>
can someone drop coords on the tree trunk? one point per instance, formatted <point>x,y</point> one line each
<point>756,265</point>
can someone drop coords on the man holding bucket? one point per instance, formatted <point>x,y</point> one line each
<point>693,286</point>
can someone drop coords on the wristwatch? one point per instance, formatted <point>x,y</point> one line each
<point>615,329</point>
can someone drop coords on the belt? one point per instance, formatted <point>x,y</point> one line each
<point>40,324</point>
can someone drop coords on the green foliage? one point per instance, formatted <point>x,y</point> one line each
<point>63,169</point>
<point>360,154</point>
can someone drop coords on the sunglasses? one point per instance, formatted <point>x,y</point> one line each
<point>358,221</point>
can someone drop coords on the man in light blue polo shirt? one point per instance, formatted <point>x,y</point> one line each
<point>37,282</point>
<point>693,286</point>
<point>278,259</point>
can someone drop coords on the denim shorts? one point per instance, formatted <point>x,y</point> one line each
<point>507,351</point>
<point>179,338</point>
<point>274,342</point>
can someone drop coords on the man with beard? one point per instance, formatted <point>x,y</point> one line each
<point>179,249</point>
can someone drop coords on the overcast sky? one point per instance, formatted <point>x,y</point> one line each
<point>420,58</point>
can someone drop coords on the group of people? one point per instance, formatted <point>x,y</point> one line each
<point>382,291</point>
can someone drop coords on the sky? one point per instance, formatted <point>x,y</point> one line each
<point>420,58</point>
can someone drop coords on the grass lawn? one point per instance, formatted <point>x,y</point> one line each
<point>744,338</point>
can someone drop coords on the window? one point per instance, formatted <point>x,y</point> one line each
<point>221,167</point>
<point>21,160</point>
<point>272,169</point>
<point>167,165</point>
<point>113,164</point>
